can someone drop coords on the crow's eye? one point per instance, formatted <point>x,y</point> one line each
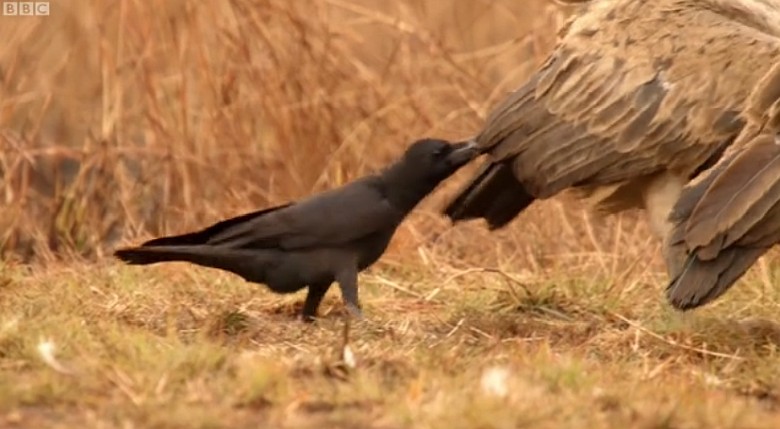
<point>439,152</point>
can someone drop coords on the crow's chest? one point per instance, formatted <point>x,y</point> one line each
<point>371,247</point>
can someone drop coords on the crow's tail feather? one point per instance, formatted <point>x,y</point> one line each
<point>251,265</point>
<point>151,254</point>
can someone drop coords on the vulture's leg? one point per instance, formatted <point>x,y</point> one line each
<point>661,194</point>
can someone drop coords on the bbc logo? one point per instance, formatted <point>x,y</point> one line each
<point>25,8</point>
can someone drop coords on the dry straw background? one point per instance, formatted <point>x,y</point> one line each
<point>124,120</point>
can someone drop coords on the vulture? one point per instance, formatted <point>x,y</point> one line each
<point>638,99</point>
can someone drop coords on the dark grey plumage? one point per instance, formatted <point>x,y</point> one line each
<point>312,243</point>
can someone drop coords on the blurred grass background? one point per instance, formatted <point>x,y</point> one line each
<point>120,119</point>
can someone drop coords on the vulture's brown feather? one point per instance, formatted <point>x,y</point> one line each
<point>764,102</point>
<point>637,99</point>
<point>726,220</point>
<point>739,196</point>
<point>703,281</point>
<point>631,92</point>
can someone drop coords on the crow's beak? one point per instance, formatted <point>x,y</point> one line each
<point>463,152</point>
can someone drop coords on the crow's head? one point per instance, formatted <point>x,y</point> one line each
<point>435,160</point>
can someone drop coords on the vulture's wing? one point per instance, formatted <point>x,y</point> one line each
<point>633,88</point>
<point>729,216</point>
<point>725,221</point>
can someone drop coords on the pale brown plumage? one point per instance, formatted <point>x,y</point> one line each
<point>637,98</point>
<point>729,216</point>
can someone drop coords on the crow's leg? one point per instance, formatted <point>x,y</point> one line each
<point>313,300</point>
<point>347,280</point>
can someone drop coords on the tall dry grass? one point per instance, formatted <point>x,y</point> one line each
<point>128,119</point>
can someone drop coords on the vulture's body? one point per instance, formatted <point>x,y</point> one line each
<point>636,100</point>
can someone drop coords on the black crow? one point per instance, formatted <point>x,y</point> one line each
<point>328,237</point>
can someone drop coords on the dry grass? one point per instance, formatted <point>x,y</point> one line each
<point>122,120</point>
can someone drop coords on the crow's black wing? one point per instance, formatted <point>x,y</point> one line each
<point>328,219</point>
<point>204,235</point>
